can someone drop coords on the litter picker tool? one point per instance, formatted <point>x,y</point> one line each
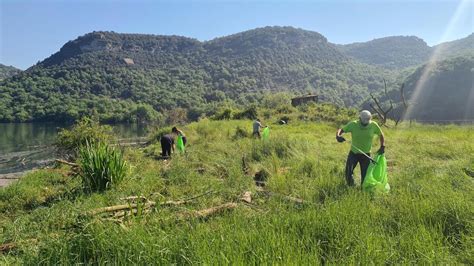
<point>365,154</point>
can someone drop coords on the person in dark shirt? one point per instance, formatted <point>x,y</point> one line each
<point>167,144</point>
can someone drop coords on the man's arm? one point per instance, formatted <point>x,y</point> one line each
<point>339,132</point>
<point>339,136</point>
<point>382,144</point>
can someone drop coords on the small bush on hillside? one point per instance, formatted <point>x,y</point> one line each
<point>240,133</point>
<point>101,166</point>
<point>87,130</point>
<point>267,114</point>
<point>281,147</point>
<point>225,114</point>
<point>157,133</point>
<point>286,109</point>
<point>249,113</point>
<point>176,116</point>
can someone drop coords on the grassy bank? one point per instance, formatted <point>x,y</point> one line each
<point>426,218</point>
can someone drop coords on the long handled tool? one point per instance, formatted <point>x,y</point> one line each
<point>365,154</point>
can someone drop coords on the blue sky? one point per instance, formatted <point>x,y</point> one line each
<point>33,30</point>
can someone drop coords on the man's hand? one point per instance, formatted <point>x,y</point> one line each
<point>340,139</point>
<point>381,150</point>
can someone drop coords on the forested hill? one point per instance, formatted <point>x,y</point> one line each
<point>8,71</point>
<point>124,77</point>
<point>390,52</point>
<point>458,47</point>
<point>398,52</point>
<point>445,94</point>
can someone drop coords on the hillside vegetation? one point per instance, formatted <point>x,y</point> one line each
<point>399,52</point>
<point>393,52</point>
<point>8,71</point>
<point>446,95</point>
<point>457,47</point>
<point>305,214</point>
<point>129,77</point>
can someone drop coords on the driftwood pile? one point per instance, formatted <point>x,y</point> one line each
<point>140,205</point>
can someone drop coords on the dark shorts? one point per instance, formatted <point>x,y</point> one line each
<point>352,160</point>
<point>166,144</point>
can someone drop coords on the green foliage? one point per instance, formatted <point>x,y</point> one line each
<point>240,133</point>
<point>425,219</point>
<point>87,130</point>
<point>172,72</point>
<point>157,133</point>
<point>145,113</point>
<point>461,47</point>
<point>394,52</point>
<point>444,95</point>
<point>8,71</point>
<point>249,113</point>
<point>277,100</point>
<point>101,166</point>
<point>224,114</point>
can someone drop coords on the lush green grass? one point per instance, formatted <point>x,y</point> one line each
<point>426,218</point>
<point>101,166</point>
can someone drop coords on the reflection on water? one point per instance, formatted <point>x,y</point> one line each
<point>25,146</point>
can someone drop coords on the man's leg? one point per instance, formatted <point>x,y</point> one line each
<point>364,165</point>
<point>163,147</point>
<point>168,150</point>
<point>184,141</point>
<point>351,163</point>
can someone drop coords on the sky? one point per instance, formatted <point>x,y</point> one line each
<point>30,31</point>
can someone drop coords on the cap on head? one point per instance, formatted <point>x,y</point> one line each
<point>365,117</point>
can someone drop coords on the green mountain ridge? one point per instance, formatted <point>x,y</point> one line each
<point>392,52</point>
<point>129,77</point>
<point>446,95</point>
<point>398,52</point>
<point>455,48</point>
<point>114,75</point>
<point>8,71</point>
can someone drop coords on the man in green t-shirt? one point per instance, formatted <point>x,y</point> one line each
<point>363,132</point>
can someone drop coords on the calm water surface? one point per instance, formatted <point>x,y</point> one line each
<point>24,146</point>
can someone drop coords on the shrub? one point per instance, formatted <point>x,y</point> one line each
<point>87,130</point>
<point>101,166</point>
<point>249,113</point>
<point>157,133</point>
<point>224,114</point>
<point>240,133</point>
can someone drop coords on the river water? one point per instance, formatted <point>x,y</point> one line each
<point>26,146</point>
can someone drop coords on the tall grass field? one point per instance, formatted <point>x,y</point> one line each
<point>304,214</point>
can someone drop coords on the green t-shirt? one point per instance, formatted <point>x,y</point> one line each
<point>362,136</point>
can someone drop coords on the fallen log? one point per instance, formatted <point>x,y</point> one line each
<point>293,199</point>
<point>288,198</point>
<point>121,207</point>
<point>4,248</point>
<point>135,199</point>
<point>130,212</point>
<point>145,204</point>
<point>206,213</point>
<point>66,162</point>
<point>202,214</point>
